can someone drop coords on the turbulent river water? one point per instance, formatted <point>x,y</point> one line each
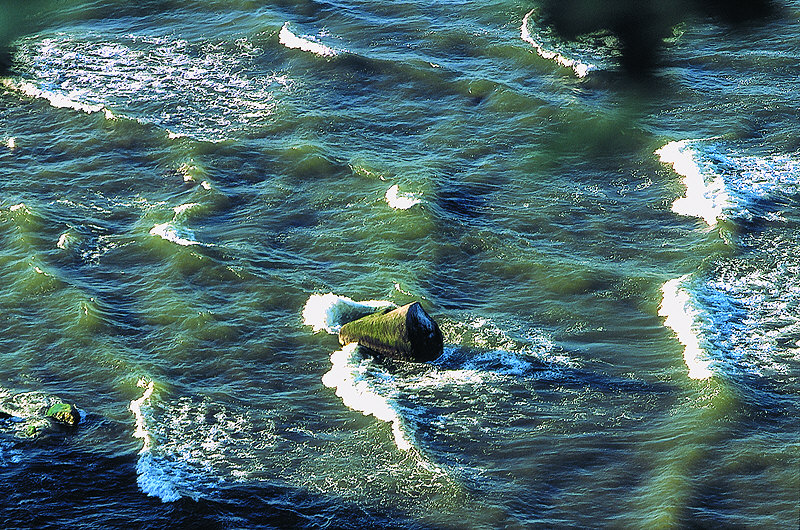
<point>197,194</point>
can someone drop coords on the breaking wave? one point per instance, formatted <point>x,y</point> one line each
<point>401,201</point>
<point>329,312</point>
<point>305,43</point>
<point>739,315</point>
<point>392,393</point>
<point>578,66</point>
<point>191,446</point>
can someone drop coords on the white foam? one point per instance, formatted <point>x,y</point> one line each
<point>500,361</point>
<point>580,68</point>
<point>451,378</point>
<point>399,289</point>
<point>188,171</point>
<point>57,100</point>
<point>190,445</point>
<point>202,91</point>
<point>706,197</point>
<point>749,308</point>
<point>760,177</point>
<point>400,201</point>
<point>503,353</point>
<point>178,235</point>
<point>172,135</point>
<point>11,142</point>
<point>153,480</point>
<point>63,241</point>
<point>305,43</point>
<point>183,208</point>
<point>136,408</point>
<point>681,316</point>
<point>348,375</point>
<point>171,231</point>
<point>151,477</point>
<point>329,312</point>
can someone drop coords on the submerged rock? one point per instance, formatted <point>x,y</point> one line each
<point>406,333</point>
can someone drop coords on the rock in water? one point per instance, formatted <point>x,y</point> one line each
<point>407,333</point>
<point>64,413</point>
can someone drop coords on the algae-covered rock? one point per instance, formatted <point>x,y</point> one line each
<point>64,413</point>
<point>406,333</point>
<point>33,414</point>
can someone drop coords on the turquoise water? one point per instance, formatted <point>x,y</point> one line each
<point>613,264</point>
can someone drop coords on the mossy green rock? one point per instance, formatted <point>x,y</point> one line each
<point>406,333</point>
<point>64,413</point>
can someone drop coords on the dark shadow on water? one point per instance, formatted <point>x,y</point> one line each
<point>58,488</point>
<point>462,206</point>
<point>641,26</point>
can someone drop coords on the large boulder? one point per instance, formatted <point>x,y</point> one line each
<point>406,333</point>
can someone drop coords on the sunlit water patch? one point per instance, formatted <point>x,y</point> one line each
<point>209,91</point>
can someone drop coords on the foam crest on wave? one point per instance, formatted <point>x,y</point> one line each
<point>740,316</point>
<point>174,232</point>
<point>204,91</point>
<point>354,378</point>
<point>152,478</point>
<point>401,201</point>
<point>69,100</point>
<point>720,183</point>
<point>328,312</point>
<point>306,43</point>
<point>706,196</point>
<point>578,66</point>
<point>750,313</point>
<point>681,314</point>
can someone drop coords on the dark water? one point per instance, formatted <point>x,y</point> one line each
<point>613,263</point>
